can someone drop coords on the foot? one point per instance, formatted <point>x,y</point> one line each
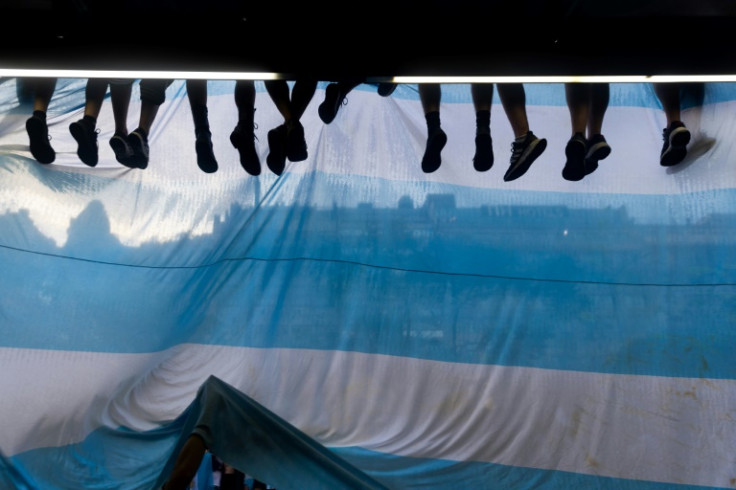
<point>523,154</point>
<point>122,149</point>
<point>276,159</point>
<point>334,98</point>
<point>244,141</point>
<point>432,158</point>
<point>385,89</point>
<point>674,150</point>
<point>205,152</point>
<point>86,137</point>
<point>139,143</point>
<point>597,150</point>
<point>38,134</point>
<point>574,169</point>
<point>296,145</point>
<point>483,159</point>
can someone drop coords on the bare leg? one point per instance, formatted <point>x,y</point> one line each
<point>187,464</point>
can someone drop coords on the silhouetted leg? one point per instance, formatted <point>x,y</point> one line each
<point>84,130</point>
<point>120,93</point>
<point>36,127</point>
<point>482,94</point>
<point>243,136</point>
<point>597,148</point>
<point>197,95</point>
<point>186,465</point>
<point>578,98</point>
<point>301,95</point>
<point>430,95</point>
<point>278,90</point>
<point>526,147</point>
<point>676,136</point>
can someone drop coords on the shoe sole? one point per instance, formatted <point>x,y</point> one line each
<point>432,159</point>
<point>574,169</point>
<point>86,149</point>
<point>526,160</point>
<point>39,141</point>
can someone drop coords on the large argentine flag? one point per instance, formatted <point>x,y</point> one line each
<point>444,330</point>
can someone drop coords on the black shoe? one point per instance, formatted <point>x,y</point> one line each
<point>432,158</point>
<point>483,159</point>
<point>575,152</point>
<point>674,150</point>
<point>597,150</point>
<point>123,151</point>
<point>38,134</point>
<point>296,145</point>
<point>523,155</point>
<point>205,153</point>
<point>86,137</point>
<point>139,143</point>
<point>246,146</point>
<point>385,89</point>
<point>276,159</point>
<point>334,98</point>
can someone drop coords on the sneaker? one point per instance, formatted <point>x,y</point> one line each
<point>523,155</point>
<point>276,159</point>
<point>674,150</point>
<point>246,146</point>
<point>432,158</point>
<point>334,98</point>
<point>483,159</point>
<point>296,145</point>
<point>385,89</point>
<point>139,143</point>
<point>123,151</point>
<point>598,149</point>
<point>574,169</point>
<point>86,137</point>
<point>38,134</point>
<point>205,152</point>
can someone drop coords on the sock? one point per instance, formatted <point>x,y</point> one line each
<point>433,120</point>
<point>521,138</point>
<point>40,114</point>
<point>90,120</point>
<point>246,119</point>
<point>483,122</point>
<point>141,131</point>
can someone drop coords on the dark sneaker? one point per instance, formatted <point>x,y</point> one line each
<point>432,158</point>
<point>523,155</point>
<point>276,159</point>
<point>334,98</point>
<point>674,150</point>
<point>385,89</point>
<point>123,151</point>
<point>483,159</point>
<point>245,143</point>
<point>86,137</point>
<point>139,143</point>
<point>205,153</point>
<point>296,145</point>
<point>38,135</point>
<point>575,152</point>
<point>598,149</point>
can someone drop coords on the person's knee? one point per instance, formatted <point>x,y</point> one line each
<point>154,91</point>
